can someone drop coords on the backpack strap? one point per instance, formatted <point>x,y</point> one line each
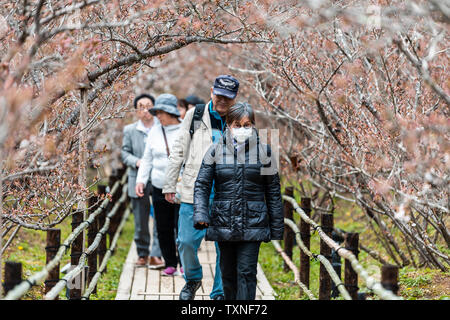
<point>198,115</point>
<point>165,140</point>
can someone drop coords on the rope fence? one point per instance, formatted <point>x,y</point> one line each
<point>110,251</point>
<point>60,285</point>
<point>294,268</point>
<point>336,279</point>
<point>353,269</point>
<point>112,213</point>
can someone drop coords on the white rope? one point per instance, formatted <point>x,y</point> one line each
<point>337,281</point>
<point>102,267</point>
<point>18,291</point>
<point>291,265</point>
<point>371,283</point>
<point>61,284</point>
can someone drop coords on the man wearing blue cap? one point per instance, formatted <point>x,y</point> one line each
<point>202,126</point>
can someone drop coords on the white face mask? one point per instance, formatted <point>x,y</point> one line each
<point>241,134</point>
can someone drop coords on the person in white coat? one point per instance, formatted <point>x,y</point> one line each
<point>154,163</point>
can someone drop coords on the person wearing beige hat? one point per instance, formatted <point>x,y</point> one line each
<point>154,163</point>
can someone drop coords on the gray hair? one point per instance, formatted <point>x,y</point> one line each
<point>239,111</point>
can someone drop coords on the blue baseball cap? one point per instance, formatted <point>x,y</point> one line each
<point>226,85</point>
<point>166,102</point>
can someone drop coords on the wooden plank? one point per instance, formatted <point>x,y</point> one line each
<point>139,283</point>
<point>203,256</point>
<point>259,294</point>
<point>179,284</point>
<point>211,252</point>
<point>152,284</point>
<point>264,285</point>
<point>172,294</point>
<point>126,277</point>
<point>210,246</point>
<point>208,280</point>
<point>210,267</point>
<point>167,286</point>
<point>203,259</point>
<point>134,280</point>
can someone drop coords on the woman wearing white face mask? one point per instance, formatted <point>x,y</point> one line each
<point>246,208</point>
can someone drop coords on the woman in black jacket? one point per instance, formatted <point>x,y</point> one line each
<point>247,207</point>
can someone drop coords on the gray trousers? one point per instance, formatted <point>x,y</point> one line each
<point>142,238</point>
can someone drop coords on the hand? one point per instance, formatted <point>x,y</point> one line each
<point>170,197</point>
<point>200,225</point>
<point>139,189</point>
<point>138,163</point>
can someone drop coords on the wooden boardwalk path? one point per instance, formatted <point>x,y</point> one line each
<point>142,283</point>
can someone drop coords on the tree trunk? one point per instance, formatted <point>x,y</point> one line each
<point>1,221</point>
<point>82,205</point>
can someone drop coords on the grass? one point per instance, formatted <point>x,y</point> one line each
<point>107,287</point>
<point>426,283</point>
<point>28,248</point>
<point>283,282</point>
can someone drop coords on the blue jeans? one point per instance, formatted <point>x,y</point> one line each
<point>188,241</point>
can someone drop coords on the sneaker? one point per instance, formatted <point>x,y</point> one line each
<point>181,271</point>
<point>170,271</point>
<point>189,290</point>
<point>155,263</point>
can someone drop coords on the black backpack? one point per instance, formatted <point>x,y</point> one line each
<point>198,114</point>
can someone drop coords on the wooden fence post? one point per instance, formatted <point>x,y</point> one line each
<point>92,232</point>
<point>123,205</point>
<point>325,250</point>
<point>13,275</point>
<point>53,244</point>
<point>305,235</point>
<point>121,171</point>
<point>350,276</point>
<point>76,251</point>
<point>120,213</point>
<point>101,249</point>
<point>389,277</point>
<point>288,236</point>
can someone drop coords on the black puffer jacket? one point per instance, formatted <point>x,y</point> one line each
<point>247,198</point>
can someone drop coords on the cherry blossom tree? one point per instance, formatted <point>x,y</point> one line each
<point>369,99</point>
<point>358,89</point>
<point>360,95</point>
<point>66,75</point>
